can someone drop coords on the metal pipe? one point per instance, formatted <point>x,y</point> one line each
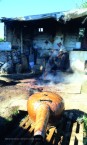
<point>42,117</point>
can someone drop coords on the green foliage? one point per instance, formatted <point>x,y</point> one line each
<point>84,120</point>
<point>84,4</point>
<point>1,39</point>
<point>14,112</point>
<point>85,141</point>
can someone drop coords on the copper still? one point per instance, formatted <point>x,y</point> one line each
<point>43,107</point>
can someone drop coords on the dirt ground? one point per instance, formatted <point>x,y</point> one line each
<point>14,92</point>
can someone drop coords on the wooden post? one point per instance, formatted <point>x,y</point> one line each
<point>5,32</point>
<point>21,40</point>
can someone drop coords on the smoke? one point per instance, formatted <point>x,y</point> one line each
<point>55,78</point>
<point>62,77</point>
<point>76,77</point>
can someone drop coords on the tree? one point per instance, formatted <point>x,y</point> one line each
<point>1,39</point>
<point>84,4</point>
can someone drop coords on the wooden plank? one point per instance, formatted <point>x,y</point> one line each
<point>49,136</point>
<point>61,140</point>
<point>32,127</point>
<point>80,134</point>
<point>73,134</point>
<point>24,121</point>
<point>27,125</point>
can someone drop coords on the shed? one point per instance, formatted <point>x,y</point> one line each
<point>33,37</point>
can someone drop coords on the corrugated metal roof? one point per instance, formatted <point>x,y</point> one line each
<point>35,17</point>
<point>65,16</point>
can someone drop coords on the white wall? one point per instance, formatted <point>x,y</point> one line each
<point>77,60</point>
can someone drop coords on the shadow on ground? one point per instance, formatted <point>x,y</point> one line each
<point>11,133</point>
<point>20,76</point>
<point>5,83</point>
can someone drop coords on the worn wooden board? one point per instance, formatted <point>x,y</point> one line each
<point>77,136</point>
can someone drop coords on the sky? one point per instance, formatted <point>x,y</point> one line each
<point>18,8</point>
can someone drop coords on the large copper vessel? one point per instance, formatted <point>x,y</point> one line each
<point>43,107</point>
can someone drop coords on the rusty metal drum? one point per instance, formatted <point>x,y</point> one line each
<point>42,107</point>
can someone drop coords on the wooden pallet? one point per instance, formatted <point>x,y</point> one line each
<point>77,134</point>
<point>71,135</point>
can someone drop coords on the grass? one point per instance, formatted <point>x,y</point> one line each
<point>14,112</point>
